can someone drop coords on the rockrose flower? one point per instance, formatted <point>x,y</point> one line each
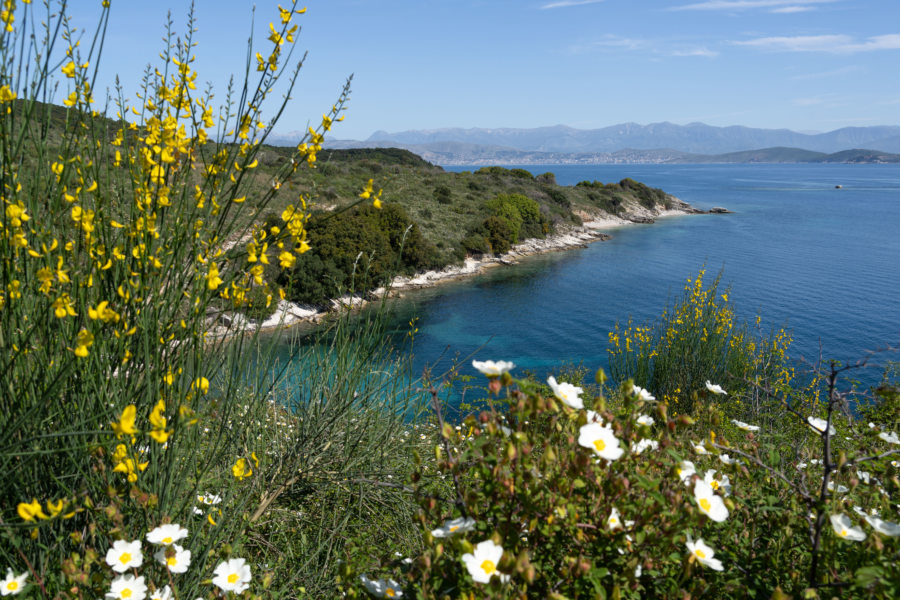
<point>709,503</point>
<point>642,394</point>
<point>703,554</point>
<point>601,440</point>
<point>845,528</point>
<point>454,526</point>
<point>127,587</point>
<point>568,393</point>
<point>745,426</point>
<point>491,368</point>
<point>13,584</point>
<point>177,561</point>
<point>685,471</point>
<point>818,425</point>
<point>382,588</point>
<point>891,437</point>
<point>167,534</point>
<point>721,485</point>
<point>715,388</point>
<point>482,563</point>
<point>232,575</point>
<point>124,555</point>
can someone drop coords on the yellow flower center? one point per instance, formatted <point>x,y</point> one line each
<point>125,558</point>
<point>12,586</point>
<point>453,528</point>
<point>600,445</point>
<point>167,540</point>
<point>844,532</point>
<point>390,593</point>
<point>488,567</point>
<point>126,593</point>
<point>232,578</point>
<point>171,561</point>
<point>705,505</point>
<point>700,553</point>
<point>714,484</point>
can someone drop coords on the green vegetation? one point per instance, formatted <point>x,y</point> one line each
<point>144,458</point>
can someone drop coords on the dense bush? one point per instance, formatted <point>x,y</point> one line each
<point>356,251</point>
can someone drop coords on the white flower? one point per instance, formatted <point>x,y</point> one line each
<point>715,388</point>
<point>844,527</point>
<point>709,503</point>
<point>645,420</point>
<point>209,498</point>
<point>568,393</point>
<point>232,575</point>
<point>593,417</point>
<point>13,584</point>
<point>883,527</point>
<point>865,476</point>
<point>491,368</point>
<point>601,440</point>
<point>614,521</point>
<point>745,426</point>
<point>704,554</point>
<point>726,459</point>
<point>163,594</point>
<point>127,587</point>
<point>699,448</point>
<point>458,525</point>
<point>889,437</point>
<point>124,555</point>
<point>177,562</point>
<point>642,445</point>
<point>841,489</point>
<point>382,588</point>
<point>722,485</point>
<point>819,425</point>
<point>801,465</point>
<point>637,571</point>
<point>686,470</point>
<point>167,534</point>
<point>482,563</point>
<point>642,394</point>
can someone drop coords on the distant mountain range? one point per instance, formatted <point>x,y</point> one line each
<point>630,142</point>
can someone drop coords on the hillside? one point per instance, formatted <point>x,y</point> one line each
<point>445,216</point>
<point>694,138</point>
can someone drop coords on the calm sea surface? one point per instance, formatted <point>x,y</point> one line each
<point>820,261</point>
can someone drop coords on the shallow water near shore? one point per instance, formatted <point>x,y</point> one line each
<point>820,261</point>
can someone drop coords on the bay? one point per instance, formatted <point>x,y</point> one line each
<point>822,262</point>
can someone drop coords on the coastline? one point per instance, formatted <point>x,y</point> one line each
<point>594,228</point>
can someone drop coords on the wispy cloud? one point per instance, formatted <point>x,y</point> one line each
<point>705,52</point>
<point>778,6</point>
<point>785,10</point>
<point>832,44</point>
<point>566,3</point>
<point>656,47</point>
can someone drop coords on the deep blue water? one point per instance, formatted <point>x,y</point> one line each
<point>821,261</point>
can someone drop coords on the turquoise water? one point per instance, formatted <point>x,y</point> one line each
<point>823,262</point>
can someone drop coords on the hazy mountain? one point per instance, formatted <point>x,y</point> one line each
<point>696,138</point>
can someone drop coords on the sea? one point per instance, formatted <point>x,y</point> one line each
<point>812,248</point>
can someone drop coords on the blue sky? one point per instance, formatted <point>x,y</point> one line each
<point>807,65</point>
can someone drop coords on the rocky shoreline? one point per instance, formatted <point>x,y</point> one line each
<point>288,314</point>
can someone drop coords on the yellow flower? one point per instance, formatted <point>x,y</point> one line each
<point>69,69</point>
<point>286,260</point>
<point>212,277</point>
<point>71,100</point>
<point>82,342</point>
<point>241,469</point>
<point>201,383</point>
<point>29,510</point>
<point>6,94</point>
<point>125,425</point>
